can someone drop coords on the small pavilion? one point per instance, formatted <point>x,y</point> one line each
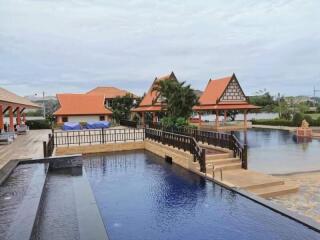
<point>223,95</point>
<point>152,102</point>
<point>15,106</point>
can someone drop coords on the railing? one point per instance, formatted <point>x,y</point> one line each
<point>179,141</point>
<point>223,140</point>
<point>97,136</point>
<point>48,148</point>
<point>128,123</point>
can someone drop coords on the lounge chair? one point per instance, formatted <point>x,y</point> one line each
<point>22,129</point>
<point>6,138</point>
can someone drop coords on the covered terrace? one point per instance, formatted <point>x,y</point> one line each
<point>15,106</point>
<point>221,96</point>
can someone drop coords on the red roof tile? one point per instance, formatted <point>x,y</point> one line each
<point>214,90</point>
<point>109,92</point>
<point>81,104</point>
<point>151,95</point>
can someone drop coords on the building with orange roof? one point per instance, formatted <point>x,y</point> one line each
<point>81,108</point>
<point>223,95</point>
<point>15,105</point>
<point>152,103</point>
<point>110,93</point>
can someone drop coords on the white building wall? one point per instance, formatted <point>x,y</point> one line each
<point>85,118</point>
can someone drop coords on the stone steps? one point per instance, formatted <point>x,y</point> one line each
<point>222,161</point>
<point>218,156</point>
<point>272,191</point>
<point>227,166</point>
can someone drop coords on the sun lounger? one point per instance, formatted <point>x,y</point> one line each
<point>6,138</point>
<point>22,129</point>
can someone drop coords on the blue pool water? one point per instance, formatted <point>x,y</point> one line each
<point>140,196</point>
<point>279,152</point>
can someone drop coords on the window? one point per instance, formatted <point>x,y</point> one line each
<point>64,119</point>
<point>102,118</point>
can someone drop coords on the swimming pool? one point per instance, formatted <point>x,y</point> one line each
<point>278,152</point>
<point>140,196</point>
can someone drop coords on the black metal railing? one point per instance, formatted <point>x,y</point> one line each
<point>219,139</point>
<point>186,143</point>
<point>128,123</point>
<point>97,136</point>
<point>48,147</point>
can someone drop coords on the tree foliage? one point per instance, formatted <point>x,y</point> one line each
<point>121,107</point>
<point>177,98</point>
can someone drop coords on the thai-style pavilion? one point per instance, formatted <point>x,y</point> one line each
<point>223,95</point>
<point>15,106</point>
<point>152,101</point>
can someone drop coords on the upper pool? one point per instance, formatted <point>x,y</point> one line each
<point>278,151</point>
<point>140,196</point>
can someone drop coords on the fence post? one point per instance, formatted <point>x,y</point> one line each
<point>45,154</point>
<point>245,157</point>
<point>102,135</point>
<point>203,161</point>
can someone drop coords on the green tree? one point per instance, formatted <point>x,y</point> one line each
<point>121,107</point>
<point>177,98</point>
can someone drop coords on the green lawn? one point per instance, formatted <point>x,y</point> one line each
<point>314,115</point>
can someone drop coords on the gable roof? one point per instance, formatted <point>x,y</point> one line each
<point>10,97</point>
<point>214,90</point>
<point>110,92</point>
<point>212,97</point>
<point>152,95</point>
<point>81,104</point>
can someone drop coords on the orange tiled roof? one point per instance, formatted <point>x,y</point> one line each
<point>155,108</point>
<point>151,95</point>
<point>81,104</point>
<point>210,99</point>
<point>214,90</point>
<point>110,92</point>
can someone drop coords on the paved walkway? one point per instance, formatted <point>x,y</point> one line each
<point>24,146</point>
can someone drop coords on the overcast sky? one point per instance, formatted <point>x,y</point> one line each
<point>75,45</point>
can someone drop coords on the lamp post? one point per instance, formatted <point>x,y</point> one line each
<point>43,104</point>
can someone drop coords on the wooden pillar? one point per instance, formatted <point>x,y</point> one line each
<point>142,118</point>
<point>245,118</point>
<point>217,118</point>
<point>225,117</point>
<point>154,117</point>
<point>18,116</point>
<point>11,124</point>
<point>24,117</point>
<point>1,119</point>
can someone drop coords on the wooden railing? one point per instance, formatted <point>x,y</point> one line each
<point>97,136</point>
<point>179,141</point>
<point>223,140</point>
<point>48,147</point>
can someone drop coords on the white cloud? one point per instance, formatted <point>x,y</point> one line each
<point>65,46</point>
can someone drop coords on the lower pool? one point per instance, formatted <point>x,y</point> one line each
<point>140,196</point>
<point>279,152</point>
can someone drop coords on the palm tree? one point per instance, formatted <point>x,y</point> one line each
<point>176,98</point>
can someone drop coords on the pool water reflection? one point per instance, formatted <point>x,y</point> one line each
<point>278,151</point>
<point>140,196</point>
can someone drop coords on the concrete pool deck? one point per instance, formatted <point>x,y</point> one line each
<point>307,200</point>
<point>24,146</point>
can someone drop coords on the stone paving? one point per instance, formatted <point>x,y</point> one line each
<point>307,200</point>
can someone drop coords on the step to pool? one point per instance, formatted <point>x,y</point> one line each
<point>272,191</point>
<point>218,156</point>
<point>227,166</point>
<point>222,161</point>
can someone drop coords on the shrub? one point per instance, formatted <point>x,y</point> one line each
<point>38,124</point>
<point>317,122</point>
<point>272,122</point>
<point>297,119</point>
